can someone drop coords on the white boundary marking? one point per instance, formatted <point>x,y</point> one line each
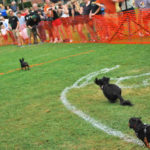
<point>85,80</point>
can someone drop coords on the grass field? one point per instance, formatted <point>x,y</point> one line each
<point>32,116</point>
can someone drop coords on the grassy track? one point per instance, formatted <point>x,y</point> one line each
<point>32,116</point>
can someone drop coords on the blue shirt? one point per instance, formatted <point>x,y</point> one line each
<point>14,8</point>
<point>3,12</point>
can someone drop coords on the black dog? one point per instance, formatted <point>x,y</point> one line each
<point>111,91</point>
<point>24,65</point>
<point>142,131</point>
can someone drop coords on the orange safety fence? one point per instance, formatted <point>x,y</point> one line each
<point>123,27</point>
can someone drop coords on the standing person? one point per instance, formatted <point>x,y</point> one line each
<point>32,24</point>
<point>86,11</point>
<point>3,12</point>
<point>4,33</point>
<point>22,27</point>
<point>97,9</point>
<point>27,17</point>
<point>57,25</point>
<point>66,22</point>
<point>48,22</point>
<point>41,26</point>
<point>78,20</point>
<point>127,14</point>
<point>97,15</point>
<point>13,6</point>
<point>144,15</point>
<point>126,5</point>
<point>14,23</point>
<point>8,28</point>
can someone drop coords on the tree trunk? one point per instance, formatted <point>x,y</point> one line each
<point>22,4</point>
<point>4,2</point>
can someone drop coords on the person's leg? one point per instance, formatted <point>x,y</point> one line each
<point>79,28</point>
<point>41,30</point>
<point>68,31</point>
<point>90,28</point>
<point>34,31</point>
<point>61,32</point>
<point>50,31</point>
<point>12,36</point>
<point>16,35</point>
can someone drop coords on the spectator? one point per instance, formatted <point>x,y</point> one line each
<point>144,15</point>
<point>32,23</point>
<point>8,28</point>
<point>87,10</point>
<point>14,23</point>
<point>13,6</point>
<point>49,18</point>
<point>78,20</point>
<point>126,5</point>
<point>66,24</point>
<point>57,25</point>
<point>41,25</point>
<point>27,17</point>
<point>97,13</point>
<point>4,34</point>
<point>127,15</point>
<point>22,27</point>
<point>97,9</point>
<point>3,11</point>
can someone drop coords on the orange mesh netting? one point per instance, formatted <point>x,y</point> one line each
<point>123,27</point>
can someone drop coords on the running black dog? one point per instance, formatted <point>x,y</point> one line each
<point>142,130</point>
<point>24,65</point>
<point>111,91</point>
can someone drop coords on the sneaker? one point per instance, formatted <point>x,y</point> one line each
<point>141,34</point>
<point>56,40</point>
<point>70,40</point>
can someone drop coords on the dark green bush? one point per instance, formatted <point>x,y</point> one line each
<point>26,5</point>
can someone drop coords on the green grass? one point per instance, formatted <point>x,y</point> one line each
<point>32,116</point>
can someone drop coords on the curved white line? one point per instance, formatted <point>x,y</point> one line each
<point>87,118</point>
<point>145,82</point>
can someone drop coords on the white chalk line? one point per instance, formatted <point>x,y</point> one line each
<point>79,83</point>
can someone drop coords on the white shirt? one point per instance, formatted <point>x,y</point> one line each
<point>129,4</point>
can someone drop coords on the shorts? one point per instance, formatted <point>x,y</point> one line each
<point>56,22</point>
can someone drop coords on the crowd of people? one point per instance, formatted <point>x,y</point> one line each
<point>50,23</point>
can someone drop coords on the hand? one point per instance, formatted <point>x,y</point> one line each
<point>29,27</point>
<point>92,14</point>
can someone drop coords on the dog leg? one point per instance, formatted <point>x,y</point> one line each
<point>146,143</point>
<point>121,99</point>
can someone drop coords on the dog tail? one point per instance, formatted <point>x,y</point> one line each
<point>124,102</point>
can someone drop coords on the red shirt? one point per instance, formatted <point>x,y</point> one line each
<point>23,14</point>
